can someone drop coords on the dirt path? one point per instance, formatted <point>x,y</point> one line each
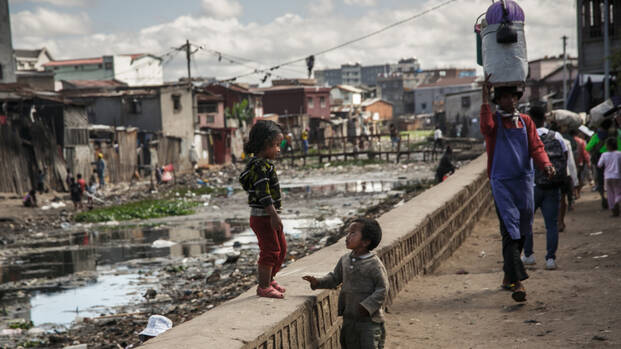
<point>575,306</point>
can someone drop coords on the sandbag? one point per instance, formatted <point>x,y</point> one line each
<point>600,112</point>
<point>507,63</point>
<point>565,118</point>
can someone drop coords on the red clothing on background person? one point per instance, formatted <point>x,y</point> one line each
<point>584,158</point>
<point>488,129</point>
<point>82,184</point>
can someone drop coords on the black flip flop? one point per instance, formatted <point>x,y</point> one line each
<point>519,296</point>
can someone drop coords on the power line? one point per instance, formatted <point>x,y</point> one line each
<point>366,36</point>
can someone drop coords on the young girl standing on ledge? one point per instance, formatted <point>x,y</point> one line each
<point>260,181</point>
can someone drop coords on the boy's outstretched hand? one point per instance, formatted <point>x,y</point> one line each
<point>312,280</point>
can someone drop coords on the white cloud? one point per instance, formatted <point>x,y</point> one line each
<point>222,8</point>
<point>320,7</point>
<point>439,39</point>
<point>360,2</point>
<point>48,23</point>
<point>65,3</point>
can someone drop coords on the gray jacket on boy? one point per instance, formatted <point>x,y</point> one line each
<point>365,282</point>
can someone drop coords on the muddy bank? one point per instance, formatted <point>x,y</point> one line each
<point>192,274</point>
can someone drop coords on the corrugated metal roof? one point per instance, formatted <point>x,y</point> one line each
<point>80,61</point>
<point>368,102</point>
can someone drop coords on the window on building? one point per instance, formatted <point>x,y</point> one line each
<point>1,72</point>
<point>423,106</point>
<point>108,65</point>
<point>77,67</point>
<point>211,119</point>
<point>310,102</point>
<point>591,14</point>
<point>204,108</point>
<point>465,102</point>
<point>135,106</point>
<point>99,65</point>
<point>176,99</point>
<point>322,102</point>
<point>611,12</point>
<point>583,13</point>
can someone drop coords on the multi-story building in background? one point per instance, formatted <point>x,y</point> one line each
<point>356,74</point>
<point>132,69</point>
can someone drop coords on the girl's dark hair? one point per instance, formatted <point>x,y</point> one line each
<point>371,231</point>
<point>611,143</point>
<point>262,133</point>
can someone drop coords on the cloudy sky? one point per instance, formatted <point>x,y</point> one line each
<point>269,32</point>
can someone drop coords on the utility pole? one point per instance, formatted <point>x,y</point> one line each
<point>564,71</point>
<point>606,50</point>
<point>188,56</point>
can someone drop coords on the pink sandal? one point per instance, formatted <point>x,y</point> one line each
<point>269,292</point>
<point>278,288</point>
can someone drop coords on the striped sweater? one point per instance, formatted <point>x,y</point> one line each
<point>260,181</point>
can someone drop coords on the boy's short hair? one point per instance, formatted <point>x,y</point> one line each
<point>371,231</point>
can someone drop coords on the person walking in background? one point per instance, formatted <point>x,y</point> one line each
<point>583,159</point>
<point>305,141</point>
<point>193,157</point>
<point>610,163</point>
<point>260,181</point>
<point>511,142</point>
<point>597,147</point>
<point>364,287</point>
<point>100,167</point>
<point>571,182</point>
<point>547,192</point>
<point>394,136</point>
<point>41,181</point>
<point>445,166</point>
<point>76,194</point>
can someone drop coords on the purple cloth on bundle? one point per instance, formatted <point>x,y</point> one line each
<point>494,12</point>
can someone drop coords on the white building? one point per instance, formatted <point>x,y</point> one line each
<point>32,60</point>
<point>346,95</point>
<point>426,96</point>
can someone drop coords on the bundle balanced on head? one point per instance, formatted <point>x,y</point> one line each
<point>260,181</point>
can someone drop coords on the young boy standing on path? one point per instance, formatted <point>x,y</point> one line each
<point>511,141</point>
<point>259,179</point>
<point>610,163</point>
<point>364,290</point>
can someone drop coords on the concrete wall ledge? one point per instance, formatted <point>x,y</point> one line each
<point>417,236</point>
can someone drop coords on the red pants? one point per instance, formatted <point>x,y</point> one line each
<point>272,243</point>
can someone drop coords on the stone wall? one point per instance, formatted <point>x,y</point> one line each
<point>417,236</point>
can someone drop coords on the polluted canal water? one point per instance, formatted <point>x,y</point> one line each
<point>100,270</point>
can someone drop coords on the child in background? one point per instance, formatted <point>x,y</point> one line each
<point>610,163</point>
<point>30,200</point>
<point>259,179</point>
<point>364,290</point>
<point>76,194</point>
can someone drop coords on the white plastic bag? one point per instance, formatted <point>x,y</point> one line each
<point>598,111</point>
